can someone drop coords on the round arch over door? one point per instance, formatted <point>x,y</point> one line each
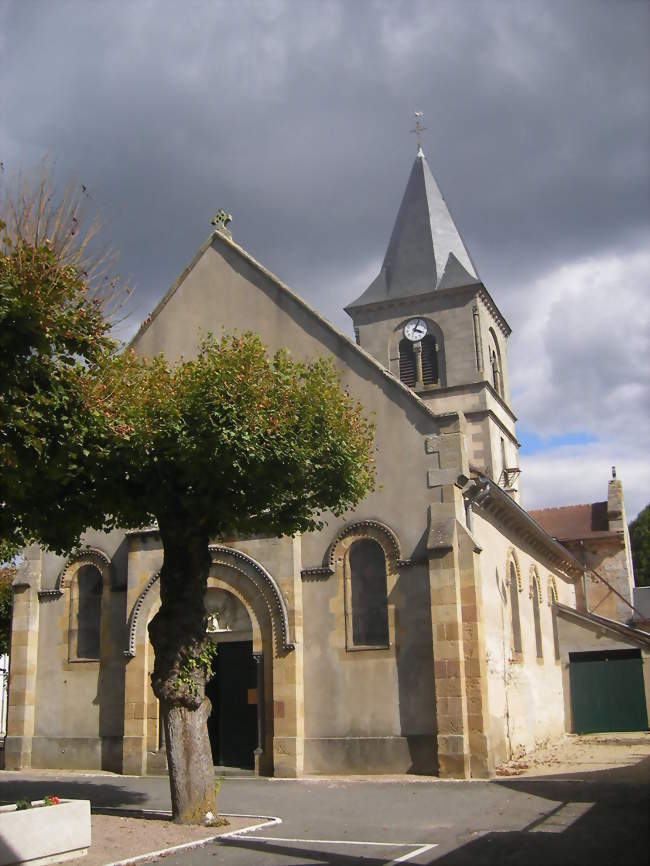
<point>278,660</point>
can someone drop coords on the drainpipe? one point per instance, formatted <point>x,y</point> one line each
<point>584,574</point>
<point>469,514</point>
<point>261,714</point>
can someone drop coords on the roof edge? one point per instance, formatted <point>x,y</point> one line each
<point>229,242</point>
<point>637,635</point>
<point>489,496</point>
<point>171,291</point>
<point>476,286</point>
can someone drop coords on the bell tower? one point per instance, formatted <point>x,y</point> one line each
<point>430,320</point>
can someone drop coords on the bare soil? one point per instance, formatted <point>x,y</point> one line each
<point>116,838</point>
<point>581,753</point>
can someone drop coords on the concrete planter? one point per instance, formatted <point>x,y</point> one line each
<point>44,834</point>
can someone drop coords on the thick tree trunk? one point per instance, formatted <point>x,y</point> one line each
<point>181,665</point>
<point>191,775</point>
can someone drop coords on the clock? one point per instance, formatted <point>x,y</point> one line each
<point>415,330</point>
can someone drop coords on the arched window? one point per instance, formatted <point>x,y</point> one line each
<point>407,365</point>
<point>536,617</point>
<point>369,599</point>
<point>495,363</point>
<point>85,613</point>
<point>430,375</point>
<point>514,610</point>
<point>556,635</point>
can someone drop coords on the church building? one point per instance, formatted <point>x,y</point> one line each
<point>421,633</point>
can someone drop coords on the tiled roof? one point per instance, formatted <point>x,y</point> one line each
<point>572,522</point>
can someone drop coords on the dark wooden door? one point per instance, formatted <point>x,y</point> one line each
<point>232,725</point>
<point>607,691</point>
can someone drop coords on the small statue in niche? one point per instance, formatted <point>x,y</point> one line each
<point>213,626</point>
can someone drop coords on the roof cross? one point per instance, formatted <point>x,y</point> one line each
<point>419,129</point>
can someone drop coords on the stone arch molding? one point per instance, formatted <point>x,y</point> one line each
<point>513,558</point>
<point>552,590</point>
<point>535,587</point>
<point>265,584</point>
<point>434,329</point>
<point>373,529</point>
<point>85,556</point>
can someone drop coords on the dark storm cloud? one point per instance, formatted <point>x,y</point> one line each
<point>295,117</point>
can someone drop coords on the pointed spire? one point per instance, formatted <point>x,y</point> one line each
<point>425,251</point>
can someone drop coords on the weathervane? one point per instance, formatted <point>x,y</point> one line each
<point>419,129</point>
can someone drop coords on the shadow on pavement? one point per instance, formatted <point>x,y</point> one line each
<point>598,818</point>
<point>99,794</point>
<point>316,855</point>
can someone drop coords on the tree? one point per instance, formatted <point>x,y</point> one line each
<point>7,572</point>
<point>53,332</point>
<point>640,544</point>
<point>232,441</point>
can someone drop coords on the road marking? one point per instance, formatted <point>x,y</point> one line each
<point>420,848</point>
<point>405,857</point>
<point>269,821</point>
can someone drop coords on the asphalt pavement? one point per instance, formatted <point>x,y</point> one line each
<point>593,819</point>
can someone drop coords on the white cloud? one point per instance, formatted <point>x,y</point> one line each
<point>575,474</point>
<point>579,363</point>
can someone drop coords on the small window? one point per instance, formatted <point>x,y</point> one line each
<point>368,594</point>
<point>514,610</point>
<point>556,633</point>
<point>407,365</point>
<point>495,363</point>
<point>536,617</point>
<point>85,613</point>
<point>429,360</point>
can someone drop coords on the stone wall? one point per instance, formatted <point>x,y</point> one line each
<point>525,701</point>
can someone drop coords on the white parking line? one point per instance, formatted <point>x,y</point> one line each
<point>420,848</point>
<point>412,854</point>
<point>269,821</point>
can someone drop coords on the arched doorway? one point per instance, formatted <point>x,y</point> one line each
<point>276,653</point>
<point>232,689</point>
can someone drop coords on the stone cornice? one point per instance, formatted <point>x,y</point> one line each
<point>413,301</point>
<point>489,497</point>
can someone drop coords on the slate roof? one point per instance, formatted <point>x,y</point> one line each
<point>572,522</point>
<point>425,251</point>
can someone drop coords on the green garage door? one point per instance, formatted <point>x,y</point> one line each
<point>607,692</point>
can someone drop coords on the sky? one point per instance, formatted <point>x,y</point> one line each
<point>295,117</point>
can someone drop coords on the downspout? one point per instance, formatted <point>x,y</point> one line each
<point>584,574</point>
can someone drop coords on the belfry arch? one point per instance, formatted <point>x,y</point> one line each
<point>259,597</point>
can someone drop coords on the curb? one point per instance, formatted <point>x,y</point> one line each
<point>263,821</point>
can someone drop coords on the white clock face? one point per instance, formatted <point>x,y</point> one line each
<point>415,329</point>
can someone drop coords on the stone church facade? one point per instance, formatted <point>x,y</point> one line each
<point>418,633</point>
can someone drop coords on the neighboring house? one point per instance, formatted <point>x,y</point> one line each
<point>604,644</point>
<point>417,634</point>
<point>597,535</point>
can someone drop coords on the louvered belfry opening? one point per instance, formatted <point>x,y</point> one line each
<point>407,368</point>
<point>429,360</point>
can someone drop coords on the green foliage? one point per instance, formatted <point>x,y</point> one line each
<point>52,335</point>
<point>7,573</point>
<point>196,668</point>
<point>640,543</point>
<point>232,441</point>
